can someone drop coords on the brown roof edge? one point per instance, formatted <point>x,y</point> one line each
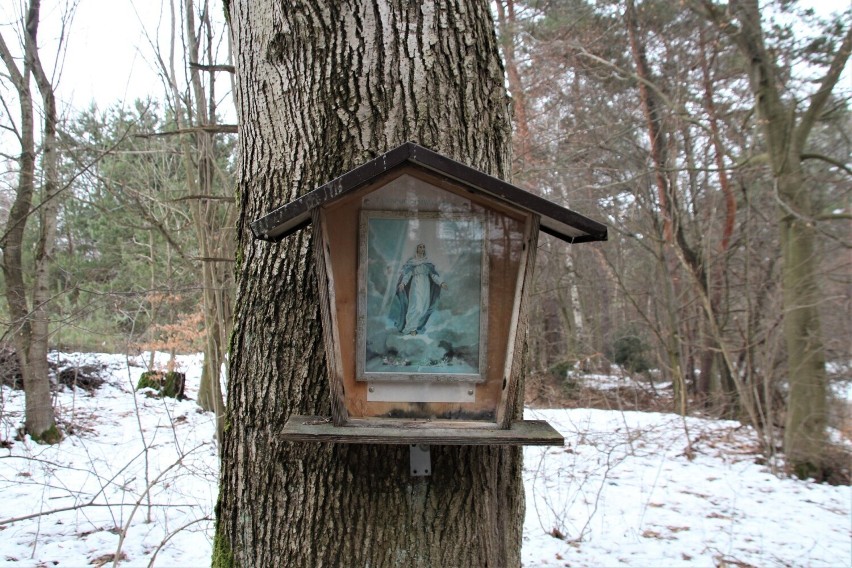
<point>297,214</point>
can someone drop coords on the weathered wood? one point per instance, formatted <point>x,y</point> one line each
<point>330,328</point>
<point>520,433</point>
<point>518,328</point>
<point>419,423</point>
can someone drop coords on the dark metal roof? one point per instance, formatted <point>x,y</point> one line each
<point>555,220</point>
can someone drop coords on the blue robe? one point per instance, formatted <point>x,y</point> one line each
<point>416,301</point>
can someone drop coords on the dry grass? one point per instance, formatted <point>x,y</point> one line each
<point>544,390</point>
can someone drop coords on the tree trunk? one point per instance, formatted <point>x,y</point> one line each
<point>786,135</point>
<point>673,237</point>
<point>508,29</point>
<point>215,240</point>
<point>323,87</point>
<point>804,434</point>
<point>213,218</point>
<point>31,324</point>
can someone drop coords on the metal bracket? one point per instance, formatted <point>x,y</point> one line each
<point>420,459</point>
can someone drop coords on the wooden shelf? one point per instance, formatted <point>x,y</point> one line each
<point>321,429</point>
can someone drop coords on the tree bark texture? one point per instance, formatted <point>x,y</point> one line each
<point>323,87</point>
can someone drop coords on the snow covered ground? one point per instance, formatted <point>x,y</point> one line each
<point>624,492</point>
<point>114,496</point>
<point>137,479</point>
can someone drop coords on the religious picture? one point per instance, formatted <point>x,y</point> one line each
<point>417,292</point>
<point>422,296</point>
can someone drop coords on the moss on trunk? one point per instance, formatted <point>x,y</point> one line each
<point>170,383</point>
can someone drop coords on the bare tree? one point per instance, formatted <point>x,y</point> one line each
<point>29,310</point>
<point>786,133</point>
<point>189,70</point>
<point>213,214</point>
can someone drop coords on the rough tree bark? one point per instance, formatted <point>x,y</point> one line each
<point>30,318</point>
<point>322,87</point>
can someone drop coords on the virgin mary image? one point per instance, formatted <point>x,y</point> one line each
<point>418,289</point>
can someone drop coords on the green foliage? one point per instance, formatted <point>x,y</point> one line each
<point>807,470</point>
<point>561,372</point>
<point>561,369</point>
<point>631,352</point>
<point>127,249</point>
<point>97,334</point>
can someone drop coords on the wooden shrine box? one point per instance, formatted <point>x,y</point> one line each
<point>424,267</point>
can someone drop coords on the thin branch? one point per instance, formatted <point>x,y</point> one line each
<point>208,128</point>
<point>829,160</point>
<point>834,217</point>
<point>172,534</point>
<point>227,198</point>
<point>14,127</point>
<point>217,67</point>
<point>211,259</point>
<point>85,505</point>
<point>820,98</point>
<point>811,221</point>
<point>15,74</point>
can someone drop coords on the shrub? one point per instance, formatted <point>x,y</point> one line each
<point>630,352</point>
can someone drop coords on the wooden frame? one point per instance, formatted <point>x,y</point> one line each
<point>429,349</point>
<point>519,433</point>
<point>330,328</point>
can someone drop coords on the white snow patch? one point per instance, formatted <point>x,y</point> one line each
<point>622,491</point>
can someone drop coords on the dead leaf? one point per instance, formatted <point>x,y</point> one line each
<point>106,559</point>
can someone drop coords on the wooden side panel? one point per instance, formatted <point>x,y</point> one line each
<point>330,327</point>
<point>518,329</point>
<point>342,232</point>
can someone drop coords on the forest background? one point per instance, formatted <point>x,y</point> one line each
<point>714,144</point>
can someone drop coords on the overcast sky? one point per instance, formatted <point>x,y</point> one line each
<point>107,52</point>
<point>109,57</point>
